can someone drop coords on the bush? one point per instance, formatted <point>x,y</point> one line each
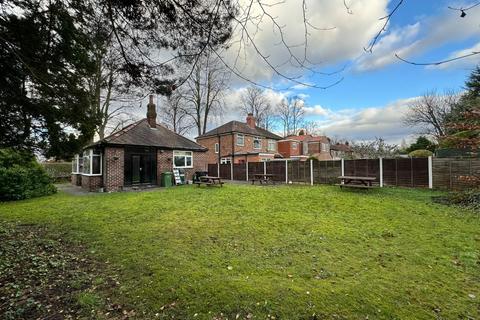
<point>420,153</point>
<point>468,199</point>
<point>21,177</point>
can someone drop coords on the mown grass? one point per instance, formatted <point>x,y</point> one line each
<point>285,252</point>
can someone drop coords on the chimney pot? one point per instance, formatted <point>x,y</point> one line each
<point>151,113</point>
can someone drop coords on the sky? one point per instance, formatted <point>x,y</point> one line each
<point>374,89</point>
<point>377,88</point>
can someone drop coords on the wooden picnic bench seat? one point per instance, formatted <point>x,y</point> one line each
<point>356,182</point>
<point>209,181</point>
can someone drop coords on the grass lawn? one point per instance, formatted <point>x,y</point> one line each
<point>285,252</point>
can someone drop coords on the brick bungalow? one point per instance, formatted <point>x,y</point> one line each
<point>137,155</point>
<point>239,142</point>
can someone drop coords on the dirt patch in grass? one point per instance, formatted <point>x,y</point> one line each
<point>42,276</point>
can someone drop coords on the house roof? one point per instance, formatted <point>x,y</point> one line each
<point>141,134</point>
<point>240,127</point>
<point>309,138</point>
<point>341,147</point>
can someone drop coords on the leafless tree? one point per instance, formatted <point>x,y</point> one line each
<point>429,112</point>
<point>174,114</point>
<point>204,91</point>
<point>254,101</point>
<point>377,148</point>
<point>291,112</point>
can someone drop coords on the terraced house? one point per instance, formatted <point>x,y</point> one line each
<point>239,142</point>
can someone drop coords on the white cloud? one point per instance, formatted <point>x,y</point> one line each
<point>369,123</point>
<point>413,40</point>
<point>317,110</point>
<point>464,62</point>
<point>325,47</point>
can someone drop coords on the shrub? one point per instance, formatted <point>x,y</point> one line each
<point>420,153</point>
<point>21,177</point>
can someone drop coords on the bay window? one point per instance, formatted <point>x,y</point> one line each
<point>92,162</point>
<point>182,159</point>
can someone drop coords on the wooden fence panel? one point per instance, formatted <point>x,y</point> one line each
<point>253,168</point>
<point>420,172</point>
<point>404,172</point>
<point>390,177</point>
<point>240,171</point>
<point>299,171</point>
<point>212,169</point>
<point>448,173</point>
<point>327,172</point>
<point>277,168</point>
<point>225,171</point>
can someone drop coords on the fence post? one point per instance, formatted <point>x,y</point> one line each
<point>311,172</point>
<point>343,168</point>
<point>430,172</point>
<point>231,170</point>
<point>381,172</point>
<point>247,169</point>
<point>218,169</point>
<point>264,167</point>
<point>286,171</point>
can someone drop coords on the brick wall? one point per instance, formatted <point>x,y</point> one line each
<point>113,169</point>
<point>165,163</point>
<point>76,179</point>
<point>228,144</point>
<point>92,183</point>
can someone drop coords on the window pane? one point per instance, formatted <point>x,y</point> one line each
<point>86,164</point>
<point>179,161</point>
<point>189,161</point>
<point>96,165</point>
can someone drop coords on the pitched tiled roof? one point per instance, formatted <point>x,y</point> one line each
<point>341,147</point>
<point>141,134</point>
<point>309,138</point>
<point>240,127</point>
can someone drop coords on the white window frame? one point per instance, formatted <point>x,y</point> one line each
<point>90,155</point>
<point>325,147</point>
<point>76,164</point>
<point>257,139</point>
<point>270,143</point>
<point>185,156</point>
<point>227,160</point>
<point>294,145</point>
<point>217,147</point>
<point>242,136</point>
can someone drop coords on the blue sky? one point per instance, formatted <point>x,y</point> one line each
<point>377,88</point>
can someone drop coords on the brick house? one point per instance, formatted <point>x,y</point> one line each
<point>238,142</point>
<point>137,155</point>
<point>303,146</point>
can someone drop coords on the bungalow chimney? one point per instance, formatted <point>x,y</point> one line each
<point>251,120</point>
<point>151,113</point>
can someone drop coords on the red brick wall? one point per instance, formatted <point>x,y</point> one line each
<point>165,163</point>
<point>228,145</point>
<point>113,168</point>
<point>92,183</point>
<point>76,179</point>
<point>285,148</point>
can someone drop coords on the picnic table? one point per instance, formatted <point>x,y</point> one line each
<point>356,182</point>
<point>263,177</point>
<point>209,181</point>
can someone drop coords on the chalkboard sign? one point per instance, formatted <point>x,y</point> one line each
<point>176,175</point>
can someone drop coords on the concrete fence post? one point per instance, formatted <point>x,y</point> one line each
<point>381,172</point>
<point>264,167</point>
<point>286,171</point>
<point>231,170</point>
<point>343,168</point>
<point>218,169</point>
<point>311,172</point>
<point>430,172</point>
<point>246,169</point>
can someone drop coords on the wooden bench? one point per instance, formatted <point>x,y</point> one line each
<point>263,178</point>
<point>356,182</point>
<point>209,181</point>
